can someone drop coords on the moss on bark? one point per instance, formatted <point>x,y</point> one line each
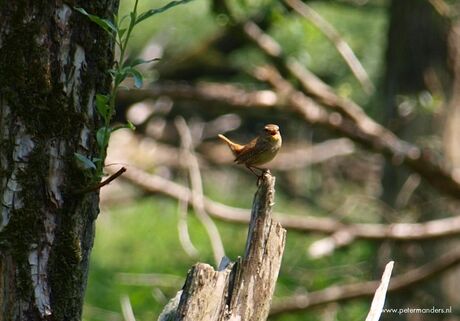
<point>32,88</point>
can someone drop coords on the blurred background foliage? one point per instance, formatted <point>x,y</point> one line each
<point>137,252</point>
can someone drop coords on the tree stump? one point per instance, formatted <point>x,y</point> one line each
<point>241,290</point>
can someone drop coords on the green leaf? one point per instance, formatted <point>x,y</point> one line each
<point>151,12</point>
<point>124,72</point>
<point>122,19</point>
<point>85,161</point>
<point>140,61</point>
<point>137,76</point>
<point>128,125</point>
<point>115,20</point>
<point>101,137</point>
<point>97,160</point>
<point>113,72</point>
<point>133,16</point>
<point>102,105</point>
<point>105,24</point>
<point>119,75</point>
<point>82,11</point>
<point>121,32</point>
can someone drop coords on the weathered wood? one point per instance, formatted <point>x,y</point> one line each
<point>241,290</point>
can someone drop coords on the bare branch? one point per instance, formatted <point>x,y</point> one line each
<point>182,228</point>
<point>408,188</point>
<point>357,125</point>
<point>374,136</point>
<point>446,227</point>
<point>337,40</point>
<point>302,302</point>
<point>380,294</point>
<point>443,8</point>
<point>225,94</point>
<point>127,309</point>
<point>197,188</point>
<point>300,157</point>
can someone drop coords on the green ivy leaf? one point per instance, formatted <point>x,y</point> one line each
<point>105,24</point>
<point>85,161</point>
<point>151,12</point>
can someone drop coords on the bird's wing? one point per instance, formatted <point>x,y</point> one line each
<point>250,151</point>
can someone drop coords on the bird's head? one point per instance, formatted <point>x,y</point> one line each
<point>272,132</point>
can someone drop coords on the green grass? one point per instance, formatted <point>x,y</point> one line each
<point>143,238</point>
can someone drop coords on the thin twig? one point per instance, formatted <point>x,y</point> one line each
<point>182,227</point>
<point>107,181</point>
<point>337,40</point>
<point>407,190</point>
<point>127,309</point>
<point>197,190</point>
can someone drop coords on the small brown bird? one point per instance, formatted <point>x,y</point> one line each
<point>258,151</point>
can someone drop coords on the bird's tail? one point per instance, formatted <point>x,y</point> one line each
<point>235,148</point>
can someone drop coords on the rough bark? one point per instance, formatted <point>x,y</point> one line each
<point>52,63</point>
<point>241,290</point>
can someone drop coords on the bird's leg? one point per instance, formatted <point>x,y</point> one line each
<point>251,168</point>
<point>263,170</point>
<point>259,176</point>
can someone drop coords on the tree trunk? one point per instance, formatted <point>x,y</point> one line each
<point>416,66</point>
<point>52,63</point>
<point>415,63</point>
<point>241,290</point>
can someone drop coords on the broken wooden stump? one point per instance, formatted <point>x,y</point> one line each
<point>241,290</point>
